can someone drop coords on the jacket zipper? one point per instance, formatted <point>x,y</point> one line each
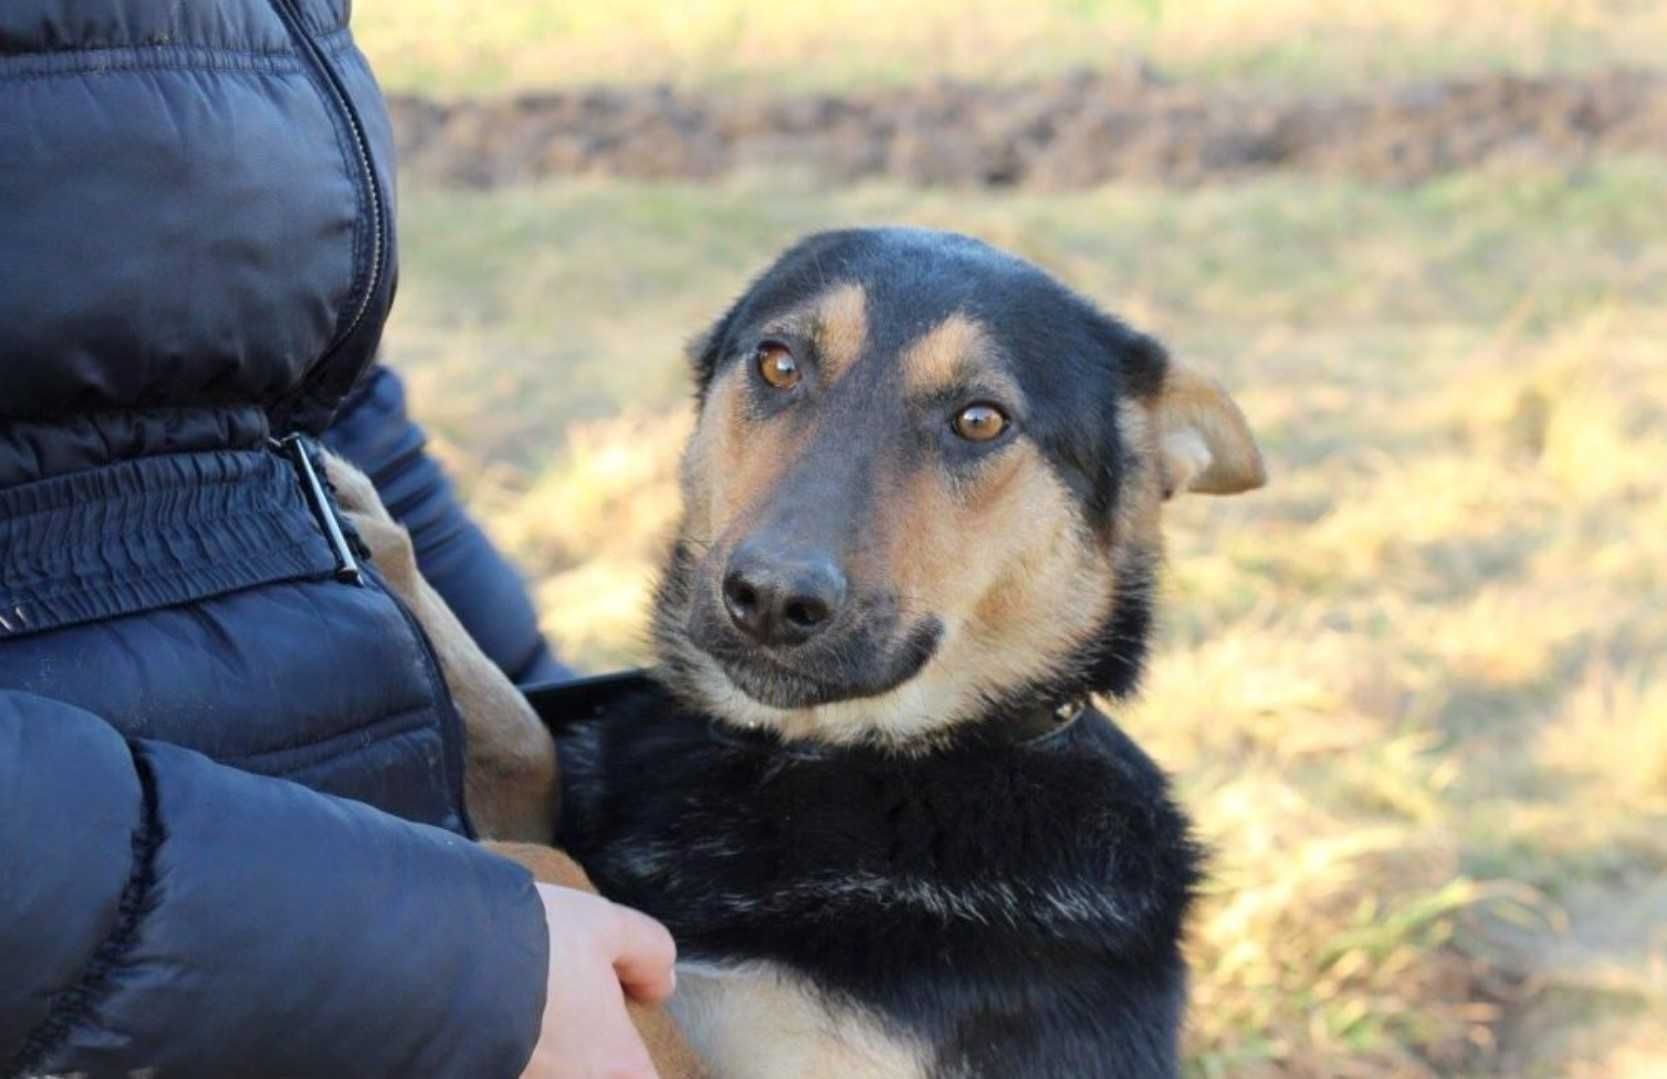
<point>450,722</point>
<point>289,12</point>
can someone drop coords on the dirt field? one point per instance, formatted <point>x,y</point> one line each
<point>1064,133</point>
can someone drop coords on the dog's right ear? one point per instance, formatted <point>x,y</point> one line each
<point>1204,443</point>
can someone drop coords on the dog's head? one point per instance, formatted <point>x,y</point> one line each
<point>924,487</point>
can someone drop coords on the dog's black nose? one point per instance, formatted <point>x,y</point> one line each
<point>781,600</point>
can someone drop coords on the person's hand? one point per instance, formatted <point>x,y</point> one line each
<point>600,953</point>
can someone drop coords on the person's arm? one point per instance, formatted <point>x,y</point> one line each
<point>160,910</point>
<point>374,433</point>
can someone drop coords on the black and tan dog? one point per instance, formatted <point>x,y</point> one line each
<point>870,798</point>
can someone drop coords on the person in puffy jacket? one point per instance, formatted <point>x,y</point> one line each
<point>233,834</point>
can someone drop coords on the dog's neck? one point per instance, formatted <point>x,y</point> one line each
<point>991,733</point>
<point>1017,720</point>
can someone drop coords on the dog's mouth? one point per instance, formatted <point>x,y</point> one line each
<point>869,654</point>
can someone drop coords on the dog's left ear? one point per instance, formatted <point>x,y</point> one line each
<point>704,350</point>
<point>1204,443</point>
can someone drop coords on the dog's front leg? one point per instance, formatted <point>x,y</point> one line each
<point>509,777</point>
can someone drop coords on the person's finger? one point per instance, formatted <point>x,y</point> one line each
<point>643,956</point>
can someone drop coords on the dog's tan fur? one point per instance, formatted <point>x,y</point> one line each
<point>730,464</point>
<point>1205,445</point>
<point>510,777</point>
<point>1005,565</point>
<point>840,327</point>
<point>950,351</point>
<point>1002,559</point>
<point>785,1028</point>
<point>1008,567</point>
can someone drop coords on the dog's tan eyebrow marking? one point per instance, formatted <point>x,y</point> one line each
<point>955,351</point>
<point>841,327</point>
<point>836,320</point>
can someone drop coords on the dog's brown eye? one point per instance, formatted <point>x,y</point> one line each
<point>980,423</point>
<point>778,366</point>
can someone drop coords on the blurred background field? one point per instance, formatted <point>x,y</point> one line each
<point>1415,691</point>
<point>453,47</point>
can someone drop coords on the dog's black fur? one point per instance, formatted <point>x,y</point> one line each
<point>1009,893</point>
<point>843,863</point>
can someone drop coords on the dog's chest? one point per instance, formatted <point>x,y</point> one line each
<point>758,1020</point>
<point>870,915</point>
<point>720,835</point>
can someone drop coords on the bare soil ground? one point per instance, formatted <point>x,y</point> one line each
<point>1070,132</point>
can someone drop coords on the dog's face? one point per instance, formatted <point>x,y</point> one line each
<point>925,486</point>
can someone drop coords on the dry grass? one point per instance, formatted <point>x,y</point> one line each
<point>1442,708</point>
<point>451,46</point>
<point>1415,692</point>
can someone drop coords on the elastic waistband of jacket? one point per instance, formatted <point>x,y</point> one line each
<point>153,532</point>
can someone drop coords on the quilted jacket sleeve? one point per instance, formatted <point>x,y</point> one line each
<point>375,433</point>
<point>158,910</point>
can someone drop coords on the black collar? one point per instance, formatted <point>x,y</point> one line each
<point>1028,728</point>
<point>563,704</point>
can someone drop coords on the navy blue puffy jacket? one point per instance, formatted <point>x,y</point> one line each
<point>232,838</point>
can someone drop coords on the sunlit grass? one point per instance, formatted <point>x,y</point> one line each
<point>1415,692</point>
<point>450,46</point>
